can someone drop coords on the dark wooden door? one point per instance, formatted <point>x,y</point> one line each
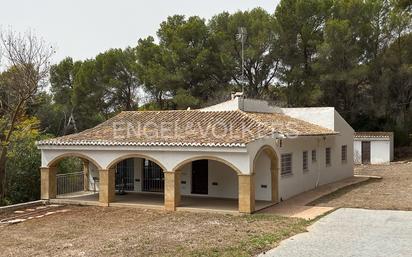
<point>200,177</point>
<point>366,152</point>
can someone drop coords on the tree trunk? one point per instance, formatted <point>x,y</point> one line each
<point>3,174</point>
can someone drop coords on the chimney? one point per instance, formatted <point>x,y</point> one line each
<point>234,95</point>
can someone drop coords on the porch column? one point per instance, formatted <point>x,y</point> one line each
<point>172,190</point>
<point>106,186</point>
<point>48,183</point>
<point>86,173</point>
<point>246,193</point>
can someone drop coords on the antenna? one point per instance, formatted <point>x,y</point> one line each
<point>241,36</point>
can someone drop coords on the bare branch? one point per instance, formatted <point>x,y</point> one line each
<point>26,68</point>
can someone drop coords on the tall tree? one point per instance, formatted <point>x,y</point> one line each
<point>261,53</point>
<point>118,71</point>
<point>62,77</point>
<point>154,68</point>
<point>186,60</point>
<point>89,96</point>
<point>27,66</point>
<point>397,72</point>
<point>348,58</point>
<point>301,27</point>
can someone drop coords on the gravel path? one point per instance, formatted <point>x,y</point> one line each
<point>353,232</point>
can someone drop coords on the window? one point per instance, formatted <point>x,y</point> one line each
<point>344,153</point>
<point>327,156</point>
<point>305,161</point>
<point>286,164</point>
<point>313,155</point>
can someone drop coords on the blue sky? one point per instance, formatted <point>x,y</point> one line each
<point>82,29</point>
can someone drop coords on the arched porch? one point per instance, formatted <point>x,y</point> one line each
<point>180,182</point>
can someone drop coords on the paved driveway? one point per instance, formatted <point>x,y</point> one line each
<point>353,232</point>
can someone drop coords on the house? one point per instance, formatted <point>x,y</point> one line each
<point>373,147</point>
<point>242,151</point>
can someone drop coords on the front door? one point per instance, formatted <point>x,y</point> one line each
<point>200,177</point>
<point>366,152</point>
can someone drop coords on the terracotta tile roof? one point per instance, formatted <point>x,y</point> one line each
<point>189,128</point>
<point>285,124</point>
<point>370,134</point>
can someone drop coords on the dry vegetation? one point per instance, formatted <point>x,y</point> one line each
<point>392,192</point>
<point>94,231</point>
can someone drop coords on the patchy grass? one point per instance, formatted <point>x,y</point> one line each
<point>334,196</point>
<point>95,231</point>
<point>259,243</point>
<point>392,192</point>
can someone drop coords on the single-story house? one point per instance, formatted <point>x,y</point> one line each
<point>243,150</point>
<point>373,147</point>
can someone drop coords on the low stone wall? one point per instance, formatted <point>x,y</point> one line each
<point>14,207</point>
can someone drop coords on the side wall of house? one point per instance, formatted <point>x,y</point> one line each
<point>345,137</point>
<point>300,181</point>
<point>322,116</point>
<point>318,172</point>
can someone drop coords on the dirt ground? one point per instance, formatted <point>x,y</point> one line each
<point>96,231</point>
<point>392,192</point>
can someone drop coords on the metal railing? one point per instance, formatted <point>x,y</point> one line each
<point>70,183</point>
<point>124,180</point>
<point>153,179</point>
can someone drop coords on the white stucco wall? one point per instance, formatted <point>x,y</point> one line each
<point>357,151</point>
<point>381,150</point>
<point>263,186</point>
<point>244,104</point>
<point>322,116</point>
<point>222,175</point>
<point>318,173</point>
<point>230,105</point>
<point>168,157</point>
<point>226,179</point>
<point>222,180</point>
<point>93,172</point>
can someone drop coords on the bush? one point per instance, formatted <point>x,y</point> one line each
<point>23,163</point>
